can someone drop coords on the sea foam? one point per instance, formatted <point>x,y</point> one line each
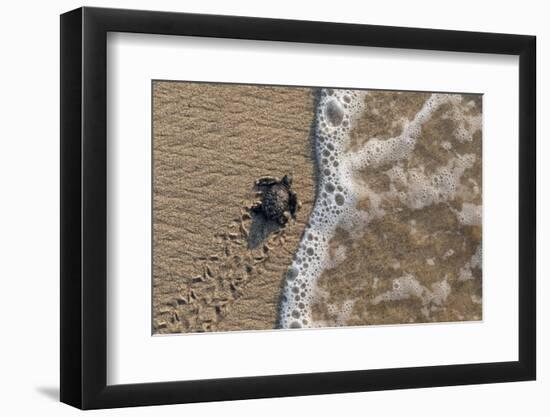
<point>338,192</point>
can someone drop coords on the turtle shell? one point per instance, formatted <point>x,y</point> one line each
<point>275,201</point>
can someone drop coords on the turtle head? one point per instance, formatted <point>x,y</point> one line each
<point>287,181</point>
<point>293,204</point>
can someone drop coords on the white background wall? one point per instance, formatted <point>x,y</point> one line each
<point>29,209</point>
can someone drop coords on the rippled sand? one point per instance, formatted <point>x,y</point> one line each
<point>215,268</point>
<point>211,142</point>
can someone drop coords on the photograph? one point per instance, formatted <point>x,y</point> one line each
<point>195,189</point>
<point>291,207</point>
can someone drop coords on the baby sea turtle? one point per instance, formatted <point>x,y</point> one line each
<point>278,201</point>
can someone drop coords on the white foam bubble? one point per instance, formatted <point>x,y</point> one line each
<point>465,273</point>
<point>339,190</point>
<point>378,152</point>
<point>335,204</point>
<point>448,254</point>
<point>422,190</point>
<point>339,314</point>
<point>402,288</point>
<point>467,124</point>
<point>469,215</point>
<point>338,256</point>
<point>407,286</point>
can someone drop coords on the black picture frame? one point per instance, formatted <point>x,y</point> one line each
<point>84,207</point>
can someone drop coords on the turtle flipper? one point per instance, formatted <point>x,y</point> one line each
<point>284,218</point>
<point>266,181</point>
<point>256,207</point>
<point>293,203</point>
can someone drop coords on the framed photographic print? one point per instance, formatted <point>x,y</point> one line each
<point>257,207</point>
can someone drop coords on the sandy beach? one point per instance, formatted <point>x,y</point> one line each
<point>211,142</point>
<point>218,267</point>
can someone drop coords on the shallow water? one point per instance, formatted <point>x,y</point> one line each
<point>395,232</point>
